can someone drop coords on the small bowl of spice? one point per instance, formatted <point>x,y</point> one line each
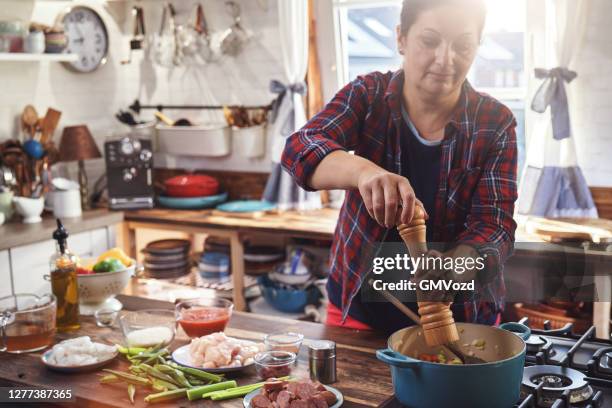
<point>287,341</point>
<point>274,364</point>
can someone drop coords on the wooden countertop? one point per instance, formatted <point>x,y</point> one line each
<point>15,233</point>
<point>363,380</point>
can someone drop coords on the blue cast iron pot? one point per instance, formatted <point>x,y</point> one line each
<point>421,384</point>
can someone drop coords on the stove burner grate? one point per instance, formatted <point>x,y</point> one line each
<point>551,383</point>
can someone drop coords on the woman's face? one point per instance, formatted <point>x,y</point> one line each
<point>439,49</point>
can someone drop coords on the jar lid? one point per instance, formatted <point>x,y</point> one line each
<point>322,349</point>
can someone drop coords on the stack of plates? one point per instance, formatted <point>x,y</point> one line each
<point>262,259</point>
<point>167,258</point>
<point>214,267</point>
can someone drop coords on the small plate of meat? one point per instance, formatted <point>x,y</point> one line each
<point>293,394</point>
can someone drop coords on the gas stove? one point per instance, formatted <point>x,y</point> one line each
<point>563,370</point>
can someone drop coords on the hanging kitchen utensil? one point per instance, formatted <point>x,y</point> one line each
<point>194,39</point>
<point>234,38</point>
<point>167,52</point>
<point>138,37</point>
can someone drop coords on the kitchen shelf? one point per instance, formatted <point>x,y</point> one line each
<point>22,56</point>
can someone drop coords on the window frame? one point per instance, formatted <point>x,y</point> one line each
<point>339,9</point>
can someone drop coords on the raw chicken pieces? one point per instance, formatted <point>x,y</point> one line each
<point>220,351</point>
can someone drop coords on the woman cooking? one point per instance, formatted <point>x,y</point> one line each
<point>421,136</point>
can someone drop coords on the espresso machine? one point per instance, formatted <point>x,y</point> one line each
<point>129,172</point>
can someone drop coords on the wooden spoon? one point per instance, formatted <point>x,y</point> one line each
<point>29,120</point>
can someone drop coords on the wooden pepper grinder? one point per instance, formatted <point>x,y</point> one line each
<point>436,317</point>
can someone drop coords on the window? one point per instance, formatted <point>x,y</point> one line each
<point>365,33</point>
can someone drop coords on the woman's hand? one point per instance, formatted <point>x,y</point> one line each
<point>389,198</point>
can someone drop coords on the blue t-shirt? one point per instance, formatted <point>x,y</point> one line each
<point>421,161</point>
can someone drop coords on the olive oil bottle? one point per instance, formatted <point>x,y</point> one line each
<point>64,283</point>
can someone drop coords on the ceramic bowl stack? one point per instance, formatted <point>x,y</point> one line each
<point>291,286</point>
<point>214,265</point>
<point>167,259</point>
<point>260,260</point>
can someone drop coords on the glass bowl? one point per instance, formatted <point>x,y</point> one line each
<point>287,341</point>
<point>274,364</point>
<point>148,328</point>
<point>200,317</point>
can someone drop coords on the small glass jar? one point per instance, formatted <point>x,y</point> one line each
<point>106,317</point>
<point>287,341</point>
<point>274,364</point>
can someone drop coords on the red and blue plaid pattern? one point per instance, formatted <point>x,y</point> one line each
<point>477,189</point>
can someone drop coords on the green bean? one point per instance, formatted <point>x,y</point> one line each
<point>131,351</point>
<point>161,385</point>
<point>132,379</point>
<point>157,374</point>
<point>238,391</point>
<point>153,356</point>
<point>198,392</point>
<point>108,379</point>
<point>166,396</point>
<point>131,392</point>
<point>198,373</point>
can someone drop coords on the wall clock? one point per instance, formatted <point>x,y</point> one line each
<point>87,38</point>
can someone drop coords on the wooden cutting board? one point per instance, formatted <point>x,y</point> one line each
<point>564,229</point>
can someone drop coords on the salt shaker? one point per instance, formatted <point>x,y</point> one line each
<point>322,361</point>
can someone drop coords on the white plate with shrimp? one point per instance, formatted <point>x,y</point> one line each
<point>182,356</point>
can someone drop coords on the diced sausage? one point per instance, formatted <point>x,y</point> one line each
<point>260,401</point>
<point>273,396</point>
<point>329,396</point>
<point>273,385</point>
<point>305,390</point>
<point>319,401</point>
<point>318,386</point>
<point>283,399</point>
<point>298,404</point>
<point>292,387</point>
<point>275,404</point>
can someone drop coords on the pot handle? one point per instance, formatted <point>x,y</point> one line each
<point>517,328</point>
<point>393,358</point>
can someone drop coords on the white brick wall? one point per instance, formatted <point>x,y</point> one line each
<point>95,98</point>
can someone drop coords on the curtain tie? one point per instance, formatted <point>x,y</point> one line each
<point>278,87</point>
<point>552,93</point>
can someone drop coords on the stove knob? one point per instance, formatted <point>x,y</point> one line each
<point>127,147</point>
<point>128,174</point>
<point>146,155</point>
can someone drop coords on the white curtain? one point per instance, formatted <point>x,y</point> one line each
<point>553,184</point>
<point>290,113</point>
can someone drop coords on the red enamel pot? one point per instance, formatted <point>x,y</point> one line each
<point>191,185</point>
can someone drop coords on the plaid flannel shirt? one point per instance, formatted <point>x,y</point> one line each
<point>477,189</point>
